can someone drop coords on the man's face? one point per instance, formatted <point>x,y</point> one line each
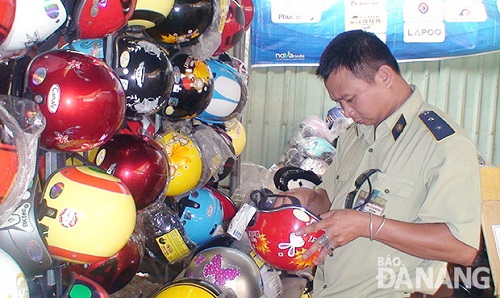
<point>365,102</point>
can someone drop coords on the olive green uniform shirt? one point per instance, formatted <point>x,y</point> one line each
<point>429,172</point>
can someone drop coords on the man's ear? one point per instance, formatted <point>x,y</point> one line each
<point>385,75</point>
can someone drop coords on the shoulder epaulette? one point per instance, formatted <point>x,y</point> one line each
<point>436,125</point>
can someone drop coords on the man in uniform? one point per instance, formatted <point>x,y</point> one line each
<point>402,197</point>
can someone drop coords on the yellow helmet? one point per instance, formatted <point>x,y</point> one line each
<point>187,288</point>
<point>149,13</point>
<point>88,215</point>
<point>238,134</point>
<point>185,161</point>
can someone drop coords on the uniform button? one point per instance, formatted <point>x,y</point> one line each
<point>386,190</point>
<point>370,150</point>
<point>324,286</point>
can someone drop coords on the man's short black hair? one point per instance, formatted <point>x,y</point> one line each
<point>361,52</point>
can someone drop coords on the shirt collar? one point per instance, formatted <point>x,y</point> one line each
<point>397,121</point>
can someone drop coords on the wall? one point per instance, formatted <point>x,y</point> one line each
<point>281,97</point>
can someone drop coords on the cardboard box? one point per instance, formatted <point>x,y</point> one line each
<point>490,219</point>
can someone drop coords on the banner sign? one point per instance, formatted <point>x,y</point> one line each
<point>295,32</point>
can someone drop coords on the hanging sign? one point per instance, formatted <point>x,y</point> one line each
<point>295,32</point>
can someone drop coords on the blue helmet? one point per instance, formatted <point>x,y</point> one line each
<point>229,95</point>
<point>201,214</point>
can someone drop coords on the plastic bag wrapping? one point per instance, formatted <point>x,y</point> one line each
<point>163,233</point>
<point>21,124</point>
<point>252,176</point>
<point>311,146</point>
<point>214,150</point>
<point>208,42</point>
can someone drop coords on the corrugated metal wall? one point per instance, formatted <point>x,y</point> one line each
<point>281,97</point>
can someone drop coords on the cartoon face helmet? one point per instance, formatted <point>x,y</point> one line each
<point>145,72</point>
<point>115,272</point>
<point>14,283</point>
<point>86,214</point>
<point>187,288</point>
<point>185,162</point>
<point>187,20</point>
<point>6,18</point>
<point>230,94</point>
<point>96,19</point>
<point>80,96</point>
<point>227,268</point>
<point>233,28</point>
<point>290,177</point>
<point>33,23</point>
<point>149,13</point>
<point>271,232</point>
<point>139,162</point>
<point>192,90</point>
<point>201,214</point>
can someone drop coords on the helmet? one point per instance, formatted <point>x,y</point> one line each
<point>227,268</point>
<point>149,13</point>
<point>290,177</point>
<point>238,134</point>
<point>316,147</point>
<point>145,73</point>
<point>34,22</point>
<point>115,272</point>
<point>192,90</point>
<point>229,95</point>
<point>318,166</point>
<point>271,232</point>
<point>164,234</point>
<point>88,215</point>
<point>187,20</point>
<point>9,159</point>
<point>80,96</point>
<point>185,162</point>
<point>228,207</point>
<point>96,19</point>
<point>139,162</point>
<point>233,28</point>
<point>201,214</point>
<point>248,11</point>
<point>20,235</point>
<point>6,18</point>
<point>187,288</point>
<point>13,283</point>
<point>80,286</point>
<point>93,47</point>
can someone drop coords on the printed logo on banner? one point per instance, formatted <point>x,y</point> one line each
<point>424,32</point>
<point>295,12</point>
<point>367,19</point>
<point>423,11</point>
<point>465,11</point>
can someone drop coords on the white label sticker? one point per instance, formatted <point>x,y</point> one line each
<point>53,98</point>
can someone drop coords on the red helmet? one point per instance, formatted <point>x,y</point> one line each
<point>248,10</point>
<point>233,28</point>
<point>80,96</point>
<point>228,207</point>
<point>271,233</point>
<point>7,14</point>
<point>145,72</point>
<point>193,88</point>
<point>139,162</point>
<point>115,272</point>
<point>96,19</point>
<point>187,20</point>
